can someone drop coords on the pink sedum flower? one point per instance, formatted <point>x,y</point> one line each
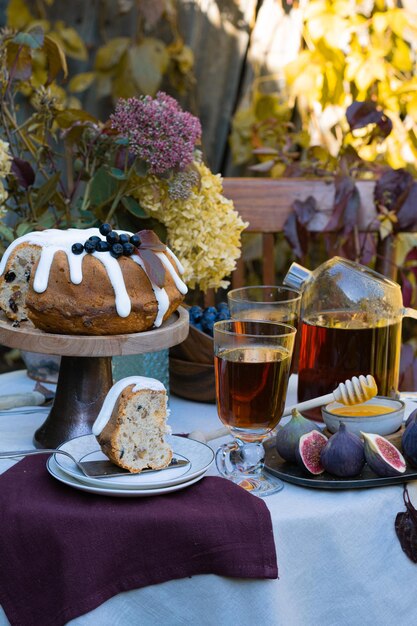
<point>159,132</point>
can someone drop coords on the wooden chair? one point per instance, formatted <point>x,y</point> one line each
<point>266,203</point>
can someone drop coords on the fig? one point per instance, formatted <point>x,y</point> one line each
<point>288,436</point>
<point>343,455</point>
<point>409,442</point>
<point>411,418</point>
<point>382,456</point>
<point>309,449</point>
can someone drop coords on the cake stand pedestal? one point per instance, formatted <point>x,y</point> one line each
<point>85,374</point>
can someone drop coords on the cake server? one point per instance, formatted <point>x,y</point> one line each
<point>40,395</point>
<point>93,469</point>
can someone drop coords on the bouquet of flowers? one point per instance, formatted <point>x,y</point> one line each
<point>61,167</point>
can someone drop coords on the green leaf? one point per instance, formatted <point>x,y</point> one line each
<point>148,62</point>
<point>6,233</point>
<point>103,187</point>
<point>34,38</point>
<point>134,207</point>
<point>46,191</point>
<point>23,228</point>
<point>48,219</point>
<point>116,173</point>
<point>81,82</point>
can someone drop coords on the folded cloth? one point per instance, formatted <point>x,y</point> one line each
<point>63,552</point>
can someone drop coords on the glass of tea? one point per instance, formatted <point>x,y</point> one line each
<point>265,302</point>
<point>252,360</point>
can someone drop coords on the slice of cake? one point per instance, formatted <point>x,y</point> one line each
<point>131,426</point>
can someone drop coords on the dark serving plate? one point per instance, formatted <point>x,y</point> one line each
<point>275,465</point>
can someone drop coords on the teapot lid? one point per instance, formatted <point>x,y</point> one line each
<point>297,276</point>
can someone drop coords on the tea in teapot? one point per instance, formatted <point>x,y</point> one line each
<point>351,320</point>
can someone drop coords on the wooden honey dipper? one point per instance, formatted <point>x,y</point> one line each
<point>353,391</point>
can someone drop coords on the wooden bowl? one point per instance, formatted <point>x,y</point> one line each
<point>192,380</point>
<point>197,347</point>
<point>191,368</point>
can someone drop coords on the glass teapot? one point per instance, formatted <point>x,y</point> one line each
<point>350,324</point>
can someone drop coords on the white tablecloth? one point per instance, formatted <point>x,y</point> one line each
<point>340,563</point>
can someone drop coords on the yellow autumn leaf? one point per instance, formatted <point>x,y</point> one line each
<point>81,82</point>
<point>397,20</point>
<point>404,243</point>
<point>55,57</point>
<point>331,27</point>
<point>148,63</point>
<point>71,41</point>
<point>371,70</point>
<point>411,107</point>
<point>401,57</point>
<point>385,227</point>
<point>109,55</point>
<point>380,22</point>
<point>18,14</point>
<point>315,8</point>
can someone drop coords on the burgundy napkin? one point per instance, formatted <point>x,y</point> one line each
<point>63,552</point>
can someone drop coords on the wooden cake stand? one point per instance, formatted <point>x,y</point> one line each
<point>85,374</point>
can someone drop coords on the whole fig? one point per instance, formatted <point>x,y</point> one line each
<point>382,456</point>
<point>409,442</point>
<point>411,418</point>
<point>343,455</point>
<point>288,436</point>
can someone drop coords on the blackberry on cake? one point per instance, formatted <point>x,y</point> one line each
<point>131,427</point>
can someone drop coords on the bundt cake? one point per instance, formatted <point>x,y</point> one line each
<point>131,425</point>
<point>90,282</point>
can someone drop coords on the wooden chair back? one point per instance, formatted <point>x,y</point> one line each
<point>266,203</point>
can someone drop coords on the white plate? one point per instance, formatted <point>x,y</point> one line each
<point>200,458</point>
<point>57,473</point>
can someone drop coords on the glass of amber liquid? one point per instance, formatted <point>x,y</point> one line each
<point>265,302</point>
<point>252,360</point>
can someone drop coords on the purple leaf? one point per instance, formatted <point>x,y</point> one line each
<point>346,206</point>
<point>406,528</point>
<point>296,225</point>
<point>360,114</point>
<point>23,172</point>
<point>153,266</point>
<point>150,241</point>
<point>392,189</point>
<point>305,210</point>
<point>408,368</point>
<point>407,214</point>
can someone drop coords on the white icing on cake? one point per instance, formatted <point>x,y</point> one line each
<point>54,240</point>
<point>140,382</point>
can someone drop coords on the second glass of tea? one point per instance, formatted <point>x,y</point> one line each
<point>252,361</point>
<point>265,302</point>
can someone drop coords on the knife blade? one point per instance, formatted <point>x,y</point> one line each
<point>101,469</point>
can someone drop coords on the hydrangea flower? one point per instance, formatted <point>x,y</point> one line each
<point>159,132</point>
<point>5,166</point>
<point>203,230</point>
<point>5,159</point>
